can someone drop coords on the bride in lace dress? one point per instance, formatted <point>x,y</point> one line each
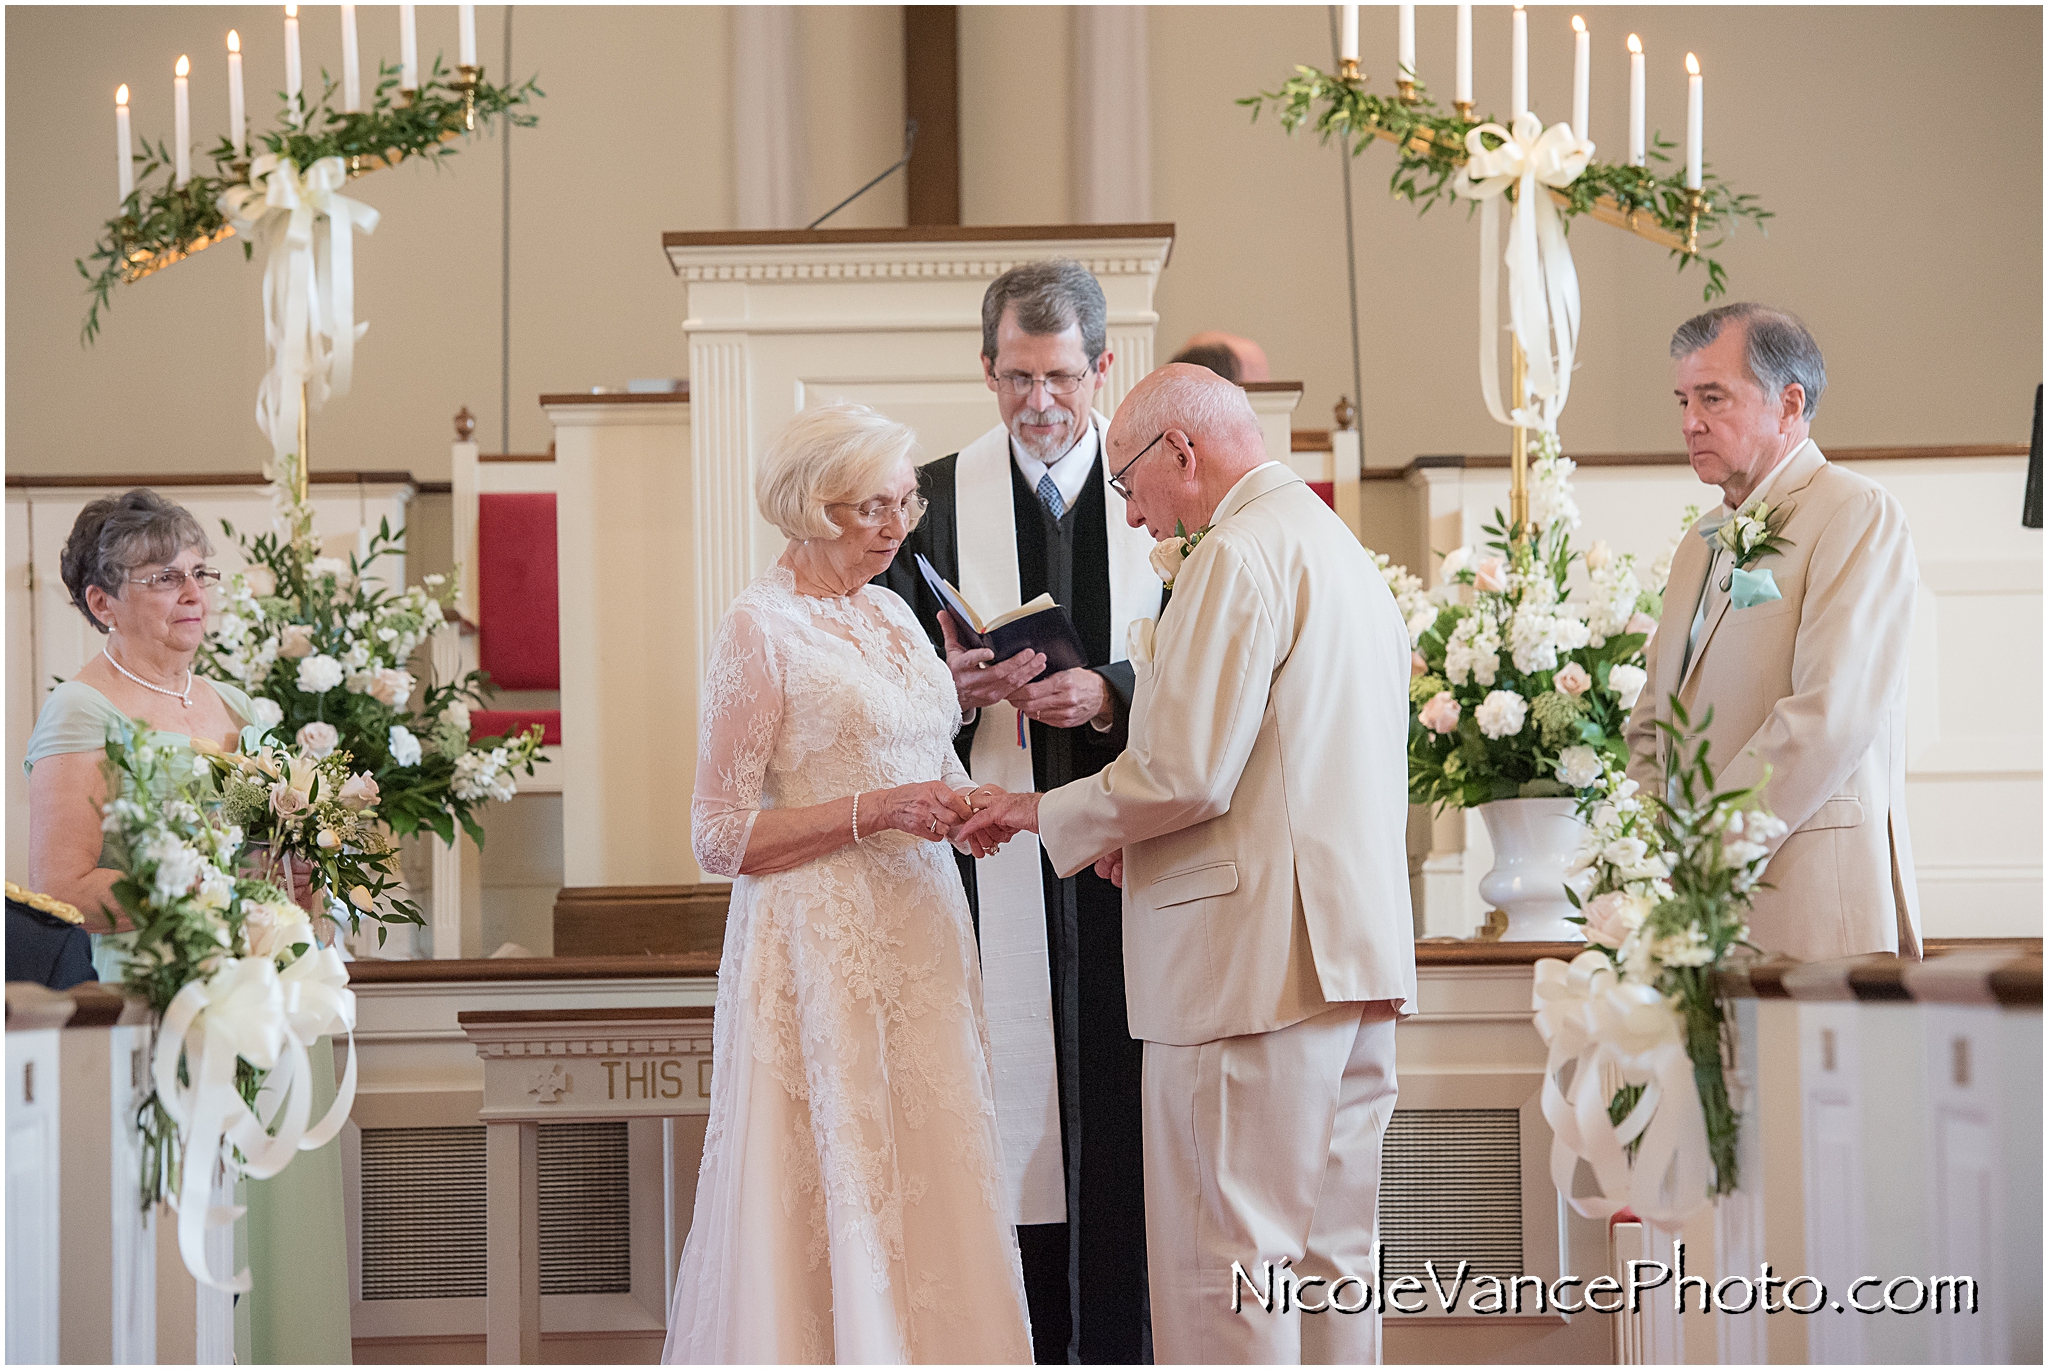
<point>850,1205</point>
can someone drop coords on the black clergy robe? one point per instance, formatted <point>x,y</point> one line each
<point>1085,1278</point>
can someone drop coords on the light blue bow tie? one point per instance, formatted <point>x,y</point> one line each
<point>1711,525</point>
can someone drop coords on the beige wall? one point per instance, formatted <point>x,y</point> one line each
<point>1914,252</point>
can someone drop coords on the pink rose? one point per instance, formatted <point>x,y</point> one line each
<point>359,792</point>
<point>261,580</point>
<point>318,739</point>
<point>1490,574</point>
<point>1416,665</point>
<point>285,800</point>
<point>1440,714</point>
<point>1611,917</point>
<point>1640,622</point>
<point>1574,679</point>
<point>295,641</point>
<point>391,687</point>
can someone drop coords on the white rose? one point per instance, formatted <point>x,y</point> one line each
<point>319,674</point>
<point>295,640</point>
<point>261,580</point>
<point>457,712</point>
<point>1611,917</point>
<point>391,687</point>
<point>1501,714</point>
<point>405,748</point>
<point>265,713</point>
<point>329,566</point>
<point>1424,620</point>
<point>318,739</point>
<point>273,928</point>
<point>359,792</point>
<point>1167,555</point>
<point>1627,682</point>
<point>1573,679</point>
<point>1454,562</point>
<point>1578,766</point>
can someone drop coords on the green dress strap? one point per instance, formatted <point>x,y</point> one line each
<point>78,718</point>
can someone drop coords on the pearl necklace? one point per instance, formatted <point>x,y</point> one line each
<point>184,697</point>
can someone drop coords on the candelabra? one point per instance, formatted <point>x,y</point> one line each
<point>468,80</point>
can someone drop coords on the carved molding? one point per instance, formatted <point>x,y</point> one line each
<point>556,1044</point>
<point>980,268</point>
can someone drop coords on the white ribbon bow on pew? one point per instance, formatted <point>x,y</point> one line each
<point>250,1010</point>
<point>309,326</point>
<point>1543,285</point>
<point>1611,1032</point>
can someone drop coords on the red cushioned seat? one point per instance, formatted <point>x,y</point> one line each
<point>503,722</point>
<point>1327,489</point>
<point>518,629</point>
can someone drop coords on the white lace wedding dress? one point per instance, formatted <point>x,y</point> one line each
<point>849,1205</point>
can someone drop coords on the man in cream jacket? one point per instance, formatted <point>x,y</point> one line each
<point>1257,823</point>
<point>1798,647</point>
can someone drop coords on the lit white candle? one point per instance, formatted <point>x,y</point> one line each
<point>1695,121</point>
<point>1464,94</point>
<point>351,63</point>
<point>1582,77</point>
<point>124,146</point>
<point>1518,67</point>
<point>408,49</point>
<point>1637,147</point>
<point>465,34</point>
<point>181,120</point>
<point>238,117</point>
<point>1347,48</point>
<point>1407,49</point>
<point>291,63</point>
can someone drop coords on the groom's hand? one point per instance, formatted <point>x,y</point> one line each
<point>977,682</point>
<point>1002,819</point>
<point>1111,868</point>
<point>1067,700</point>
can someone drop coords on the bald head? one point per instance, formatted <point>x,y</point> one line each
<point>1207,438</point>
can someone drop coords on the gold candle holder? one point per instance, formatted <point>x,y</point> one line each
<point>1518,456</point>
<point>1405,88</point>
<point>407,97</point>
<point>1695,206</point>
<point>1466,109</point>
<point>1347,70</point>
<point>467,80</point>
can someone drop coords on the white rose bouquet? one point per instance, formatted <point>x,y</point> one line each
<point>1523,676</point>
<point>324,647</point>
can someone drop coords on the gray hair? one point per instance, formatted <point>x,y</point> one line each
<point>1778,350</point>
<point>1195,400</point>
<point>828,454</point>
<point>118,533</point>
<point>1050,297</point>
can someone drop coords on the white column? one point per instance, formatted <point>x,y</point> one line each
<point>1112,115</point>
<point>767,126</point>
<point>512,1227</point>
<point>34,1152</point>
<point>721,480</point>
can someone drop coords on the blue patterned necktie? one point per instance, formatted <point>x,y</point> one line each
<point>1049,496</point>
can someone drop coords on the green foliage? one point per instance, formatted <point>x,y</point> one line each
<point>1430,148</point>
<point>159,220</point>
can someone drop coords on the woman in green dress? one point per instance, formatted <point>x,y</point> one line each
<point>135,567</point>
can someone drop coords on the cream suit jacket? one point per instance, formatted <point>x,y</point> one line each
<point>1262,801</point>
<point>1813,687</point>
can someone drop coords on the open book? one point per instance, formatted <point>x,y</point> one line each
<point>1040,626</point>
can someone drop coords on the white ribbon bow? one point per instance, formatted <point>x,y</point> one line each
<point>1543,286</point>
<point>309,327</point>
<point>1614,1032</point>
<point>247,1009</point>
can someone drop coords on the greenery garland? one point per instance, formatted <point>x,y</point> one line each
<point>1430,149</point>
<point>159,225</point>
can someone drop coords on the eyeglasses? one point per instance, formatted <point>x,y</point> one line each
<point>1116,482</point>
<point>1058,383</point>
<point>174,579</point>
<point>876,512</point>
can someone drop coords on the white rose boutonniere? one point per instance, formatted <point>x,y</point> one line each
<point>1169,553</point>
<point>1755,533</point>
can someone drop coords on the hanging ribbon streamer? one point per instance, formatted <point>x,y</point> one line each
<point>1611,1032</point>
<point>248,1010</point>
<point>309,325</point>
<point>1543,285</point>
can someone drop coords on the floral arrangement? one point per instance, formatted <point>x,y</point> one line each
<point>1523,680</point>
<point>324,648</point>
<point>231,967</point>
<point>161,223</point>
<point>1430,148</point>
<point>1665,886</point>
<point>305,803</point>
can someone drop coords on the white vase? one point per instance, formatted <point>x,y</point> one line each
<point>1533,844</point>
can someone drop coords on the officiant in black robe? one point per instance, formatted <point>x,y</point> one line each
<point>1022,511</point>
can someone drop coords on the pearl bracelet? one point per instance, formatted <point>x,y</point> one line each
<point>856,817</point>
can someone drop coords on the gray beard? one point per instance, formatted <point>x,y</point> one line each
<point>1045,451</point>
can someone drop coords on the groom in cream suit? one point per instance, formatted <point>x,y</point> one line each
<point>1257,823</point>
<point>1800,651</point>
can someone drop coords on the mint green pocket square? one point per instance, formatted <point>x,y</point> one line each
<point>1747,589</point>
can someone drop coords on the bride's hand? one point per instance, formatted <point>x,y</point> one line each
<point>930,809</point>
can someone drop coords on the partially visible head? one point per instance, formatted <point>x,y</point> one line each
<point>1179,441</point>
<point>1045,321</point>
<point>122,539</point>
<point>1251,358</point>
<point>1748,380</point>
<point>828,465</point>
<point>1216,357</point>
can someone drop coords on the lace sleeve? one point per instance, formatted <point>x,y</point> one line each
<point>742,712</point>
